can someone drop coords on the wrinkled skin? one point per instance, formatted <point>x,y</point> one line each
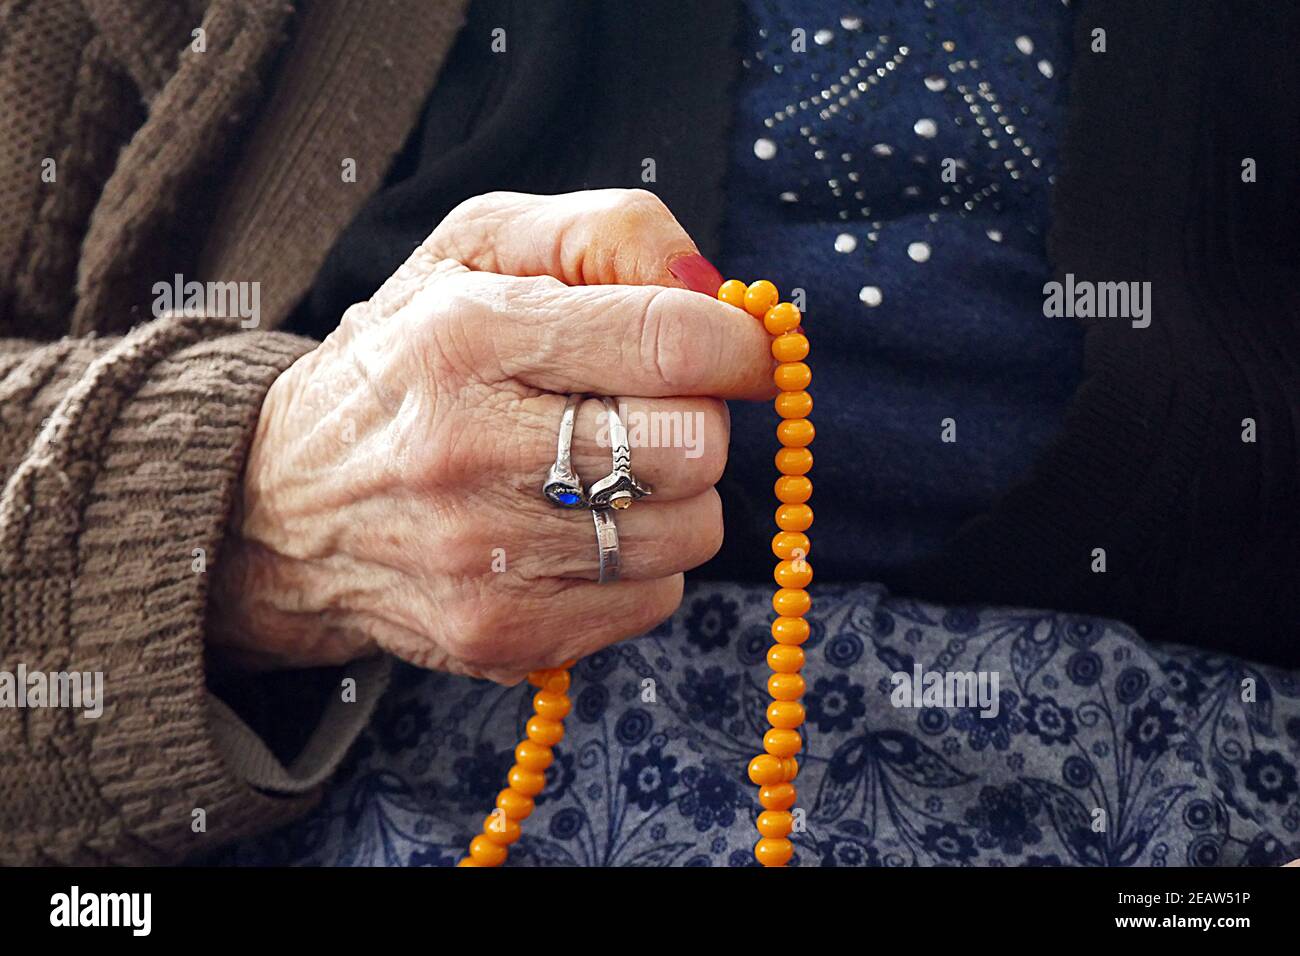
<point>398,466</point>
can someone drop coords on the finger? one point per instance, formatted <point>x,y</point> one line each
<point>656,539</point>
<point>578,618</point>
<point>563,620</point>
<point>591,237</point>
<point>610,340</point>
<point>419,270</point>
<point>679,445</point>
<point>640,605</point>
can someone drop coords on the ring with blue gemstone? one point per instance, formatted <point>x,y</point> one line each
<point>562,486</point>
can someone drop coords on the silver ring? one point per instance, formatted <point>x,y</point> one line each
<point>619,488</point>
<point>562,486</point>
<point>606,544</point>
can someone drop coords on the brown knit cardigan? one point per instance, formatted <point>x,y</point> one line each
<point>134,147</point>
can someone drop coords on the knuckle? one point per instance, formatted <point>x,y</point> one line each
<point>450,458</point>
<point>669,345</point>
<point>627,204</point>
<point>605,233</point>
<point>643,204</point>
<point>422,267</point>
<point>468,210</point>
<point>475,632</point>
<point>459,629</point>
<point>663,597</point>
<point>710,525</point>
<point>714,442</point>
<point>621,221</point>
<point>461,296</point>
<point>466,233</point>
<point>452,329</point>
<point>356,316</point>
<point>688,538</point>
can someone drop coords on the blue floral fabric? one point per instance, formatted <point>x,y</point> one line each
<point>1105,750</point>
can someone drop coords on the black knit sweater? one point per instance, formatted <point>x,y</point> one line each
<point>1200,529</point>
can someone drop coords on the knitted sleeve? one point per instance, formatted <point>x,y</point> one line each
<point>119,459</point>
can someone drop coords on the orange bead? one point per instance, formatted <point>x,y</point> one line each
<point>766,769</point>
<point>516,805</point>
<point>528,782</point>
<point>793,404</point>
<point>546,732</point>
<point>785,686</point>
<point>793,574</point>
<point>466,861</point>
<point>781,318</point>
<point>770,852</point>
<point>775,823</point>
<point>792,376</point>
<point>789,769</point>
<point>778,796</point>
<point>790,630</point>
<point>486,853</point>
<point>759,297</point>
<point>785,658</point>
<point>732,292</point>
<point>796,433</point>
<point>557,682</point>
<point>785,714</point>
<point>788,545</point>
<point>550,705</point>
<point>554,679</point>
<point>794,461</point>
<point>781,742</point>
<point>500,829</point>
<point>791,347</point>
<point>793,489</point>
<point>791,602</point>
<point>794,517</point>
<point>533,756</point>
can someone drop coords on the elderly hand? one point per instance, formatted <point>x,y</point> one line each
<point>392,494</point>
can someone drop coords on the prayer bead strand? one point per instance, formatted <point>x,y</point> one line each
<point>527,777</point>
<point>774,770</point>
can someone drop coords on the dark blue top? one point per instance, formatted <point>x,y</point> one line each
<point>923,297</point>
<point>1150,464</point>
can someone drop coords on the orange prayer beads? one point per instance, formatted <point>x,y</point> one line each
<point>774,770</point>
<point>527,777</point>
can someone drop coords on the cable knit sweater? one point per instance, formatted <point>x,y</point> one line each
<point>142,139</point>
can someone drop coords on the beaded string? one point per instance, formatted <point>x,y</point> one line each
<point>774,770</point>
<point>527,777</point>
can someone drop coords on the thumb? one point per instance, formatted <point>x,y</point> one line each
<point>591,237</point>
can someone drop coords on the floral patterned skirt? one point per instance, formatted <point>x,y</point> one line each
<point>1101,749</point>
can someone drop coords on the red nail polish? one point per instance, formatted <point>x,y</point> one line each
<point>695,272</point>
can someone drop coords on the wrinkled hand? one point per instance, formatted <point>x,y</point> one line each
<point>392,493</point>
